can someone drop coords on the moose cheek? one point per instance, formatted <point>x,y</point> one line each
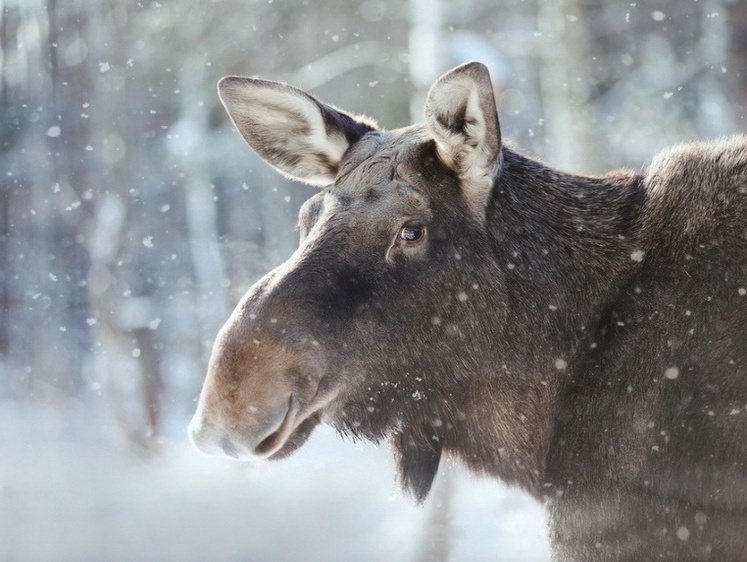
<point>347,293</point>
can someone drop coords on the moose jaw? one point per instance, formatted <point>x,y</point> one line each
<point>582,337</point>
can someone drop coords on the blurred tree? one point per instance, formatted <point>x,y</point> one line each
<point>564,82</point>
<point>737,59</point>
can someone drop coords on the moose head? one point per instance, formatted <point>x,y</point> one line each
<point>383,323</point>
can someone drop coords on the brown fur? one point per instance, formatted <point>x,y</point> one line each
<point>582,337</point>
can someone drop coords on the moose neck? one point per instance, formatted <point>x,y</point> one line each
<point>566,244</point>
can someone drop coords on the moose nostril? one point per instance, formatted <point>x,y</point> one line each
<point>211,440</point>
<point>258,437</point>
<point>229,448</point>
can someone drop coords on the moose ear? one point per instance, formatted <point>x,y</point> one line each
<point>461,115</point>
<point>417,456</point>
<point>297,134</point>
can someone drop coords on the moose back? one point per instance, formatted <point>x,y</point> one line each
<point>582,337</point>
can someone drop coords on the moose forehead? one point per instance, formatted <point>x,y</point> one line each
<point>386,173</point>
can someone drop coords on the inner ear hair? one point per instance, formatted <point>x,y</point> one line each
<point>417,453</point>
<point>300,136</point>
<point>461,115</point>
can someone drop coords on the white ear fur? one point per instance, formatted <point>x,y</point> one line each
<point>300,136</point>
<point>461,115</point>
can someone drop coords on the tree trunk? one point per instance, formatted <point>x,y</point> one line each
<point>737,59</point>
<point>202,221</point>
<point>564,84</point>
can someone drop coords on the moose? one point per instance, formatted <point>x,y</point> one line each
<point>583,338</point>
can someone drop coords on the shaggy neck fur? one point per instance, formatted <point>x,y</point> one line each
<point>553,305</point>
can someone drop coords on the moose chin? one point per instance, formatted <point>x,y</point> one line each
<point>584,338</point>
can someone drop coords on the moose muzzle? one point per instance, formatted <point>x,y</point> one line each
<point>250,402</point>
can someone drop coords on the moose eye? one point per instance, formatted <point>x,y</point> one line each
<point>412,233</point>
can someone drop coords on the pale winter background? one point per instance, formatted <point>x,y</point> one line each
<point>132,218</point>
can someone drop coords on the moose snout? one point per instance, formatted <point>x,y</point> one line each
<point>258,386</point>
<point>257,438</point>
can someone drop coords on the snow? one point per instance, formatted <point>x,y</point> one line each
<point>71,491</point>
<point>658,16</point>
<point>683,533</point>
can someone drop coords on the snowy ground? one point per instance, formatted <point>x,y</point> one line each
<point>69,491</point>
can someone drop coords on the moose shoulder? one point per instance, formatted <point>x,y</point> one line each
<point>582,337</point>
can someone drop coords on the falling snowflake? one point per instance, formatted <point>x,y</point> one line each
<point>683,533</point>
